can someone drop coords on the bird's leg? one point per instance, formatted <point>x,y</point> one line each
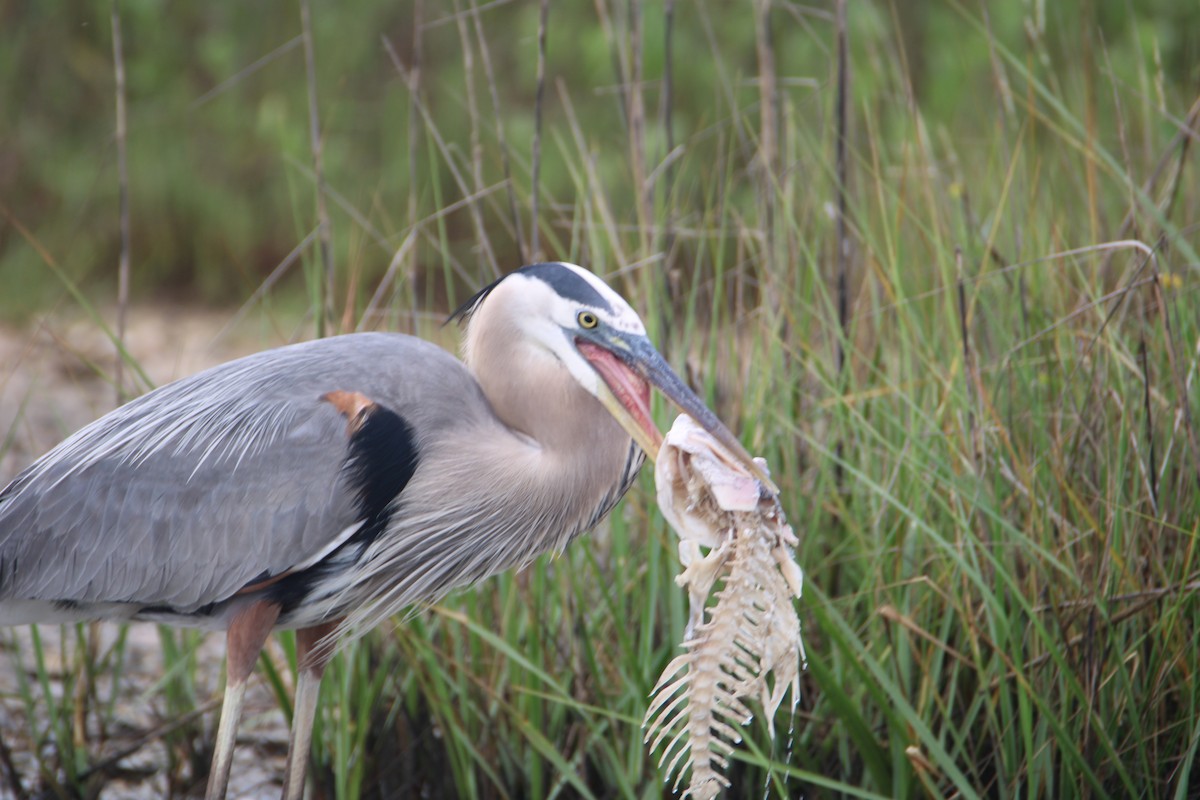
<point>243,642</point>
<point>312,656</point>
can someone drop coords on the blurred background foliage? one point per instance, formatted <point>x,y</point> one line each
<point>220,161</point>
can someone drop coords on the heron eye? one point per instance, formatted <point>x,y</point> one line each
<point>587,320</point>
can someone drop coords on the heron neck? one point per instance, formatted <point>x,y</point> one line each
<point>579,450</point>
<point>532,393</point>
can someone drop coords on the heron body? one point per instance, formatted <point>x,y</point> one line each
<point>325,486</point>
<point>144,515</point>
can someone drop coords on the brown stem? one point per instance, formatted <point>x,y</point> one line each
<point>490,73</point>
<point>123,200</point>
<point>535,248</point>
<point>325,235</point>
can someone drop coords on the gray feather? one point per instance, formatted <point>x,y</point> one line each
<point>185,495</point>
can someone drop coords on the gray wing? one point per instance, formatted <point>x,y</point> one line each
<point>186,495</point>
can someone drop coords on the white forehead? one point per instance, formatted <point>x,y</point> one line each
<point>563,289</point>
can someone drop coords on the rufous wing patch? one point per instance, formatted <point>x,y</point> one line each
<point>259,585</point>
<point>354,406</point>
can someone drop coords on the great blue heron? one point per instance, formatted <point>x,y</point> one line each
<point>327,485</point>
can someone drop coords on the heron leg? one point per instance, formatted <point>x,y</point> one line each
<point>312,656</point>
<point>243,642</point>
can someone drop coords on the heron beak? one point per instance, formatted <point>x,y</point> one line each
<point>628,367</point>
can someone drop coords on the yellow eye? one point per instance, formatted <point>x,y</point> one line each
<point>587,320</point>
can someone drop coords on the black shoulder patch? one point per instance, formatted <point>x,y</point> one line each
<point>566,282</point>
<point>381,461</point>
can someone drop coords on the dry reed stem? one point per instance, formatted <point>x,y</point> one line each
<point>414,147</point>
<point>1180,384</point>
<point>727,90</point>
<point>157,733</point>
<point>1122,137</point>
<point>445,151</point>
<point>501,139</point>
<point>389,276</point>
<point>1090,130</point>
<point>247,71</point>
<point>636,117</point>
<point>595,185</point>
<point>666,243</point>
<point>414,114</point>
<point>618,55</point>
<point>1179,143</point>
<point>464,37</point>
<point>768,156</point>
<point>12,776</point>
<point>276,274</point>
<point>842,240</point>
<point>971,378</point>
<point>667,102</point>
<point>324,226</point>
<point>123,200</point>
<point>1149,411</point>
<point>85,687</point>
<point>535,249</point>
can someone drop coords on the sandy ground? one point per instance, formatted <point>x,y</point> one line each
<point>49,387</point>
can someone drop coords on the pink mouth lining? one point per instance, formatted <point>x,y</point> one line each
<point>631,390</point>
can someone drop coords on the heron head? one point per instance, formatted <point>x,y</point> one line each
<point>591,330</point>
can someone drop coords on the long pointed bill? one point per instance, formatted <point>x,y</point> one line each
<point>628,370</point>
